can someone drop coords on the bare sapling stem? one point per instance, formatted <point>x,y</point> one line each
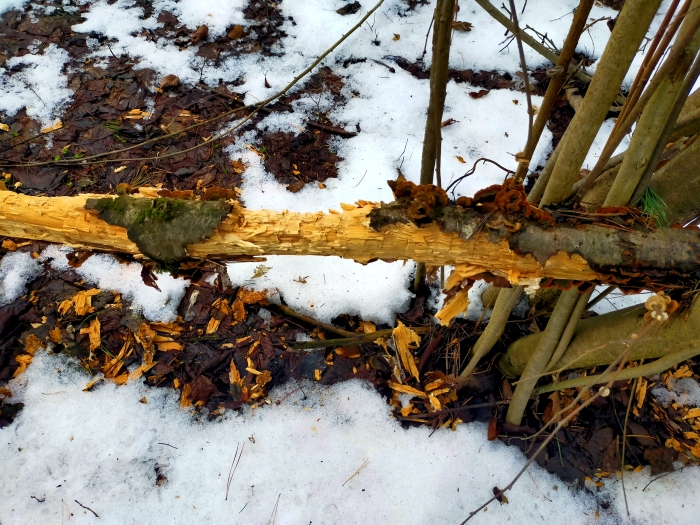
<point>508,299</point>
<point>651,59</point>
<point>633,113</point>
<point>565,339</point>
<point>442,31</point>
<point>690,80</point>
<point>538,361</point>
<point>690,350</point>
<point>517,33</point>
<point>431,161</point>
<point>630,29</point>
<point>658,111</point>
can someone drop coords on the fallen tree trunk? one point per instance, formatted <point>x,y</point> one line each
<point>460,237</point>
<point>600,340</point>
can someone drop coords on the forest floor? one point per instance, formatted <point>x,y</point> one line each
<point>226,389</point>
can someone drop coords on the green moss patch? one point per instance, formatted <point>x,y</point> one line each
<point>162,228</point>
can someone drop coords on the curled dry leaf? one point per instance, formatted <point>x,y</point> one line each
<point>239,166</point>
<point>349,9</point>
<point>499,496</point>
<point>170,81</point>
<point>200,34</point>
<point>461,26</point>
<point>237,31</point>
<point>479,94</point>
<point>9,245</point>
<point>55,127</point>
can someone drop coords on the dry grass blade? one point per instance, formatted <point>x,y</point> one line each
<point>356,472</point>
<point>273,517</point>
<point>234,466</point>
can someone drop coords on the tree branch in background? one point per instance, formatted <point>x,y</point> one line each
<point>517,33</point>
<point>444,12</point>
<point>555,84</point>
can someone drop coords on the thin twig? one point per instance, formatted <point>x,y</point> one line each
<point>523,65</point>
<point>661,476</point>
<point>624,444</point>
<point>473,169</point>
<point>356,472</point>
<point>602,295</point>
<point>86,508</point>
<point>328,327</point>
<point>233,468</point>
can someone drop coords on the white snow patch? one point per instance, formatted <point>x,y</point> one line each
<point>617,300</point>
<point>40,85</point>
<point>102,448</point>
<point>16,271</point>
<point>684,391</point>
<point>334,286</point>
<point>105,272</point>
<point>8,5</point>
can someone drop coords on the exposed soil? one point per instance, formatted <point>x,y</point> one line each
<point>219,324</point>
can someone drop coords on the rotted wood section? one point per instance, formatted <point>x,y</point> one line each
<point>345,233</point>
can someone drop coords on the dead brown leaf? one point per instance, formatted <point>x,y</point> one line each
<point>479,94</point>
<point>237,31</point>
<point>200,34</point>
<point>32,343</point>
<point>461,26</point>
<point>169,81</point>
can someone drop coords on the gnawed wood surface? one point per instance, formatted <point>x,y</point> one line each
<point>343,233</point>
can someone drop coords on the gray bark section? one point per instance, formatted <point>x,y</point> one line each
<point>608,248</point>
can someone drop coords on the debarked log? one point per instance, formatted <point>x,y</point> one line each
<point>459,237</point>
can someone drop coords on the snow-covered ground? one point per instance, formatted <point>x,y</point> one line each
<point>105,449</point>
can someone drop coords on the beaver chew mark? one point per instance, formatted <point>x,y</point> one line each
<point>296,160</point>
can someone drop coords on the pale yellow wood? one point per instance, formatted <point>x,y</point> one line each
<point>262,232</point>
